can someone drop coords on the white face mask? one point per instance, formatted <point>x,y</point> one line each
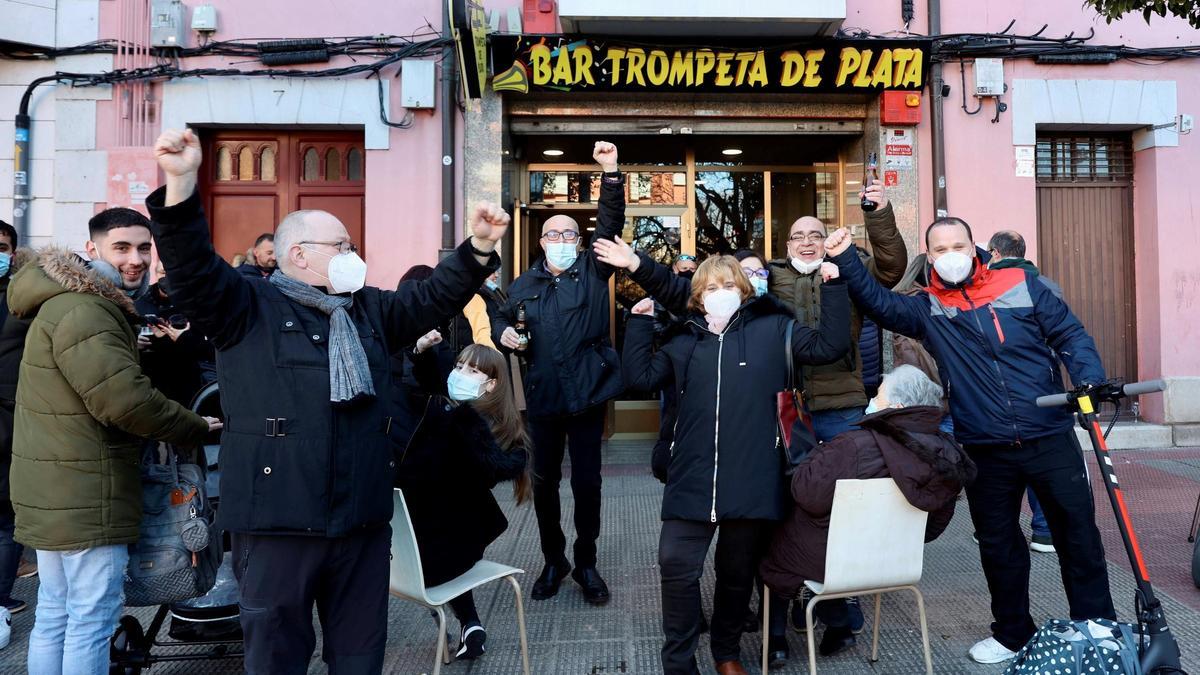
<point>347,272</point>
<point>806,267</point>
<point>722,303</point>
<point>463,387</point>
<point>871,407</point>
<point>953,267</point>
<point>561,254</point>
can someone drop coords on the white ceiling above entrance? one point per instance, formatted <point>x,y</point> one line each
<point>803,18</point>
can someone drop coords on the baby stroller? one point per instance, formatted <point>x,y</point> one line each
<point>209,621</point>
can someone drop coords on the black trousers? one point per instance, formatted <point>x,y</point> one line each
<point>581,435</point>
<point>281,576</point>
<point>682,548</point>
<point>1053,467</point>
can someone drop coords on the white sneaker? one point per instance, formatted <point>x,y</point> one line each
<point>990,651</point>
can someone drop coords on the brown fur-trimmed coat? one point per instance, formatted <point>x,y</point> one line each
<point>83,407</point>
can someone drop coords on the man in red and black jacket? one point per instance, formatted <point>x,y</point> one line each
<point>995,334</point>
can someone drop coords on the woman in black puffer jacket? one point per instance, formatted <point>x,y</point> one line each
<point>727,467</point>
<point>469,439</point>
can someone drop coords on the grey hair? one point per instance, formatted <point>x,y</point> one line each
<point>291,231</point>
<point>909,386</point>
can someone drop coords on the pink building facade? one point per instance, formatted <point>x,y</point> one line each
<point>1088,162</point>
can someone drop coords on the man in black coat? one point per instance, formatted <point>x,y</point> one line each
<point>573,371</point>
<point>306,462</point>
<point>262,261</point>
<point>12,347</point>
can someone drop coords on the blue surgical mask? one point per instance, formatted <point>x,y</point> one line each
<point>760,286</point>
<point>492,285</point>
<point>462,387</point>
<point>871,407</point>
<point>562,254</point>
<point>5,261</point>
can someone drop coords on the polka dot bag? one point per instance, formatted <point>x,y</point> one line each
<point>1096,647</point>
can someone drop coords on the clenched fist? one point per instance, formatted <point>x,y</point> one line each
<point>644,307</point>
<point>605,154</point>
<point>829,271</point>
<point>489,223</point>
<point>838,242</point>
<point>178,152</point>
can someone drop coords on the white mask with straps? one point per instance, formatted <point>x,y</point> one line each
<point>953,267</point>
<point>347,272</point>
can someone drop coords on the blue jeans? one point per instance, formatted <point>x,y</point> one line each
<point>80,598</point>
<point>830,423</point>
<point>1039,525</point>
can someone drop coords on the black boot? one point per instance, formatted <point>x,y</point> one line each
<point>777,651</point>
<point>595,590</point>
<point>836,639</point>
<point>549,580</point>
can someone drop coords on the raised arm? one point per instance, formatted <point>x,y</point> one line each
<point>610,215</point>
<point>889,255</point>
<point>416,307</point>
<point>207,290</point>
<point>831,340</point>
<point>643,368</point>
<point>1066,335</point>
<point>898,313</point>
<point>669,289</point>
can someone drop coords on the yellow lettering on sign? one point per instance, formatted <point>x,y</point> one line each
<point>812,68</point>
<point>900,59</point>
<point>850,60</point>
<point>861,79</point>
<point>743,59</point>
<point>724,63</point>
<point>562,67</point>
<point>539,61</point>
<point>583,65</point>
<point>657,67</point>
<point>882,75</point>
<point>615,56</point>
<point>793,68</point>
<point>637,60</point>
<point>912,75</point>
<point>705,61</point>
<point>758,70</point>
<point>682,70</point>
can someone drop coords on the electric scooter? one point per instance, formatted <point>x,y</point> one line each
<point>1158,650</point>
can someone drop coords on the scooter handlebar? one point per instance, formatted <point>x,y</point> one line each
<point>1053,400</point>
<point>1131,389</point>
<point>1147,387</point>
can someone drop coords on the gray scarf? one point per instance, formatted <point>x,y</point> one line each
<point>349,372</point>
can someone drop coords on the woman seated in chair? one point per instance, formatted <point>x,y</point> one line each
<point>899,438</point>
<point>469,439</point>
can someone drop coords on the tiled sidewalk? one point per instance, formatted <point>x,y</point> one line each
<point>569,637</point>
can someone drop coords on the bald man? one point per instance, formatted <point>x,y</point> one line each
<point>307,460</point>
<point>572,373</point>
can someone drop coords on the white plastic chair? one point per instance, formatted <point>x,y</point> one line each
<point>408,582</point>
<point>876,546</point>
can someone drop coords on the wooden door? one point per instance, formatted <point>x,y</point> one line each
<point>1085,237</point>
<point>255,177</point>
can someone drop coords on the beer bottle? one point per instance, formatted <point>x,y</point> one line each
<point>521,328</point>
<point>869,176</point>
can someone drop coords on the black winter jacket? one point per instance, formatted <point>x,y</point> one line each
<point>12,347</point>
<point>726,461</point>
<point>291,462</point>
<point>447,471</point>
<point>178,368</point>
<point>572,365</point>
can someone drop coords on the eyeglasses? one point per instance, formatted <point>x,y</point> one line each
<point>341,246</point>
<point>563,235</point>
<point>807,237</point>
<point>763,273</point>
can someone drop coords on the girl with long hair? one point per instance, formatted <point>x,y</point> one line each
<point>469,439</point>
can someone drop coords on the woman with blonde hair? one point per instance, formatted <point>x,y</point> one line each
<point>726,471</point>
<point>470,438</point>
